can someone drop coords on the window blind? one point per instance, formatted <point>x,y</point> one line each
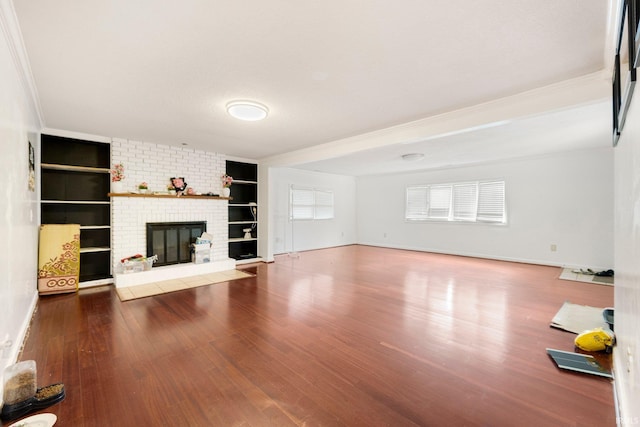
<point>464,201</point>
<point>323,205</point>
<point>302,202</point>
<point>309,204</point>
<point>417,206</point>
<point>440,201</point>
<point>491,204</point>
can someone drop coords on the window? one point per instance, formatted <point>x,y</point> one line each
<point>491,201</point>
<point>306,203</point>
<point>465,201</point>
<point>440,201</point>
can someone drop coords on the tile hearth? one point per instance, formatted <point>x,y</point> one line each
<point>173,285</point>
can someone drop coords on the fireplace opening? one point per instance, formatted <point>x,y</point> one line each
<point>171,241</point>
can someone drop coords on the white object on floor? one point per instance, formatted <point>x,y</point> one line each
<point>578,318</point>
<point>39,420</point>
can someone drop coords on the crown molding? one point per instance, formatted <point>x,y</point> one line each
<point>12,34</point>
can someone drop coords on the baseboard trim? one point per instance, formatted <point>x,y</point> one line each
<point>467,254</point>
<point>16,347</point>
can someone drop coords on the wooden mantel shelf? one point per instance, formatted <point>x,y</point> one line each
<point>167,196</point>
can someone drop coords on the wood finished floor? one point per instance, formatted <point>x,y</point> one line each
<point>354,336</point>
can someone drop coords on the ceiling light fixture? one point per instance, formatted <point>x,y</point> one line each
<point>247,110</point>
<point>412,157</point>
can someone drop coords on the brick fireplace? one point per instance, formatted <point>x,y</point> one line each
<point>155,164</point>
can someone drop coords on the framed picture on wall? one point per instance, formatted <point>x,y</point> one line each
<point>624,71</point>
<point>634,12</point>
<point>615,84</point>
<point>32,168</point>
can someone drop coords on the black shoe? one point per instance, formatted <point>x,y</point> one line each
<point>607,273</point>
<point>42,399</point>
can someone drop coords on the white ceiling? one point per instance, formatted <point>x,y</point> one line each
<point>162,71</point>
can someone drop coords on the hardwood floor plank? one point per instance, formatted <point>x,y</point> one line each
<point>349,336</point>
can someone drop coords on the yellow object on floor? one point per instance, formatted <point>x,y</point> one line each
<point>595,340</point>
<point>59,258</point>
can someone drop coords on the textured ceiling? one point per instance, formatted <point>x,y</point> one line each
<point>162,71</point>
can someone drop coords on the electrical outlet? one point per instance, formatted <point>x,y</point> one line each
<point>384,235</point>
<point>554,247</point>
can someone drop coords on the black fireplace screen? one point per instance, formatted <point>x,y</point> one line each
<point>171,241</point>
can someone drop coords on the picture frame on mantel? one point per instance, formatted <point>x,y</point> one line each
<point>624,67</point>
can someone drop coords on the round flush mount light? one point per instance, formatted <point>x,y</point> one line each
<point>247,110</point>
<point>412,157</point>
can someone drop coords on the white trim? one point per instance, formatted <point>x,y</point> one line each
<point>11,29</point>
<point>472,255</point>
<point>95,283</point>
<point>18,341</point>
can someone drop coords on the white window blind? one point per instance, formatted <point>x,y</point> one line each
<point>440,201</point>
<point>463,201</point>
<point>491,204</point>
<point>324,205</point>
<point>309,204</point>
<point>417,206</point>
<point>302,202</point>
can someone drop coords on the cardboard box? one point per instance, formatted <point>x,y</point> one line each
<point>200,247</point>
<point>201,257</point>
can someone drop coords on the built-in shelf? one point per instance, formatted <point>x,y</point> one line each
<point>242,239</point>
<point>248,260</point>
<point>73,168</point>
<point>74,202</point>
<point>74,183</point>
<point>96,249</point>
<point>243,211</point>
<point>167,196</point>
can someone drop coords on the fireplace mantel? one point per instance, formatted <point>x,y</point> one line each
<point>167,196</point>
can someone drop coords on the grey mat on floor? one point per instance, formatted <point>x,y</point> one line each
<point>568,274</point>
<point>578,318</point>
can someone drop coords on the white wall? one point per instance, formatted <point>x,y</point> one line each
<point>627,266</point>
<point>563,199</point>
<point>295,236</point>
<point>19,212</point>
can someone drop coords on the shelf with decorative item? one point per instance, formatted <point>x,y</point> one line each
<point>71,168</point>
<point>168,196</point>
<point>95,249</point>
<point>242,181</point>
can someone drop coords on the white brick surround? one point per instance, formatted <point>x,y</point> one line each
<point>155,164</point>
